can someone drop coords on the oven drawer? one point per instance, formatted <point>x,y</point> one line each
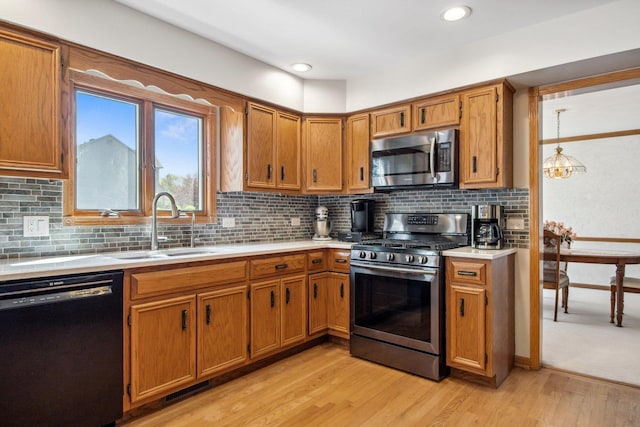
<point>275,266</point>
<point>474,273</point>
<point>339,260</point>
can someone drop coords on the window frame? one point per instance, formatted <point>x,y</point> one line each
<point>148,100</point>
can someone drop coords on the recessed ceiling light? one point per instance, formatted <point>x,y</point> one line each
<point>300,66</point>
<point>456,13</point>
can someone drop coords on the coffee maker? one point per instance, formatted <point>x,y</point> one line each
<point>362,221</point>
<point>486,226</point>
<point>322,225</point>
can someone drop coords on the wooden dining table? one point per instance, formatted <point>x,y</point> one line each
<point>593,256</point>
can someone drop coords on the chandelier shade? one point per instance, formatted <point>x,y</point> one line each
<point>558,165</point>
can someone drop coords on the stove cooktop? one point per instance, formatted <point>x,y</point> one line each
<point>432,245</point>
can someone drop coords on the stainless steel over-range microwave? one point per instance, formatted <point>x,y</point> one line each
<point>419,160</point>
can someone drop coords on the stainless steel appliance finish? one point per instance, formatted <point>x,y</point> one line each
<point>322,225</point>
<point>420,160</point>
<point>486,223</point>
<point>397,292</point>
<point>61,350</point>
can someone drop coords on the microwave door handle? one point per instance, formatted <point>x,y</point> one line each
<point>432,159</point>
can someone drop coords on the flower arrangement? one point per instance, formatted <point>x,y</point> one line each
<point>566,233</point>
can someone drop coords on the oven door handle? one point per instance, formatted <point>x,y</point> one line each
<point>427,272</point>
<point>432,160</point>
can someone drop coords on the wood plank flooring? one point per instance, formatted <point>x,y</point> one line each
<point>325,386</point>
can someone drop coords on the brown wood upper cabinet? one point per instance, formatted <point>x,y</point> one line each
<point>358,153</point>
<point>436,112</point>
<point>30,96</point>
<point>273,149</point>
<point>486,137</point>
<point>323,154</point>
<point>391,121</point>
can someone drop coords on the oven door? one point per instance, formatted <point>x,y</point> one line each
<point>397,305</point>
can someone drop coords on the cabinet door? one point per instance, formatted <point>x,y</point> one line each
<point>338,303</point>
<point>318,284</point>
<point>466,327</point>
<point>288,152</point>
<point>478,138</point>
<point>391,121</point>
<point>294,310</point>
<point>358,153</point>
<point>261,134</point>
<point>30,100</point>
<point>163,346</point>
<point>436,112</point>
<point>222,332</point>
<point>323,147</point>
<point>265,317</point>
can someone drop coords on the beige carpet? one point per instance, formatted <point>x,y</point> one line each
<point>584,341</point>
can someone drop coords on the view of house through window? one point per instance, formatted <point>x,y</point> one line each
<point>107,153</point>
<point>110,156</point>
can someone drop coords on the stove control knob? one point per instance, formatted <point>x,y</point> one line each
<point>372,255</point>
<point>422,259</point>
<point>362,254</point>
<point>409,258</point>
<point>390,257</point>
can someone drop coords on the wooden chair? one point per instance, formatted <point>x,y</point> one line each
<point>629,284</point>
<point>554,272</point>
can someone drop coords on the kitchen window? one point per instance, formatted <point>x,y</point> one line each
<point>130,143</point>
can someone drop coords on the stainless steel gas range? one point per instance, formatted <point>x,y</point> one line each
<point>397,292</point>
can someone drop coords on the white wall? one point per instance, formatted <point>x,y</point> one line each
<point>322,96</point>
<point>595,32</point>
<point>111,27</point>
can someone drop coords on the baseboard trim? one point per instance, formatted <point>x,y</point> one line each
<point>522,362</point>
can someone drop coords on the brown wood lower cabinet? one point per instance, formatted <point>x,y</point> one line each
<point>278,314</point>
<point>480,318</point>
<point>163,346</point>
<point>329,303</point>
<point>222,329</point>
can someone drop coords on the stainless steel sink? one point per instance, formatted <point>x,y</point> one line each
<point>167,253</point>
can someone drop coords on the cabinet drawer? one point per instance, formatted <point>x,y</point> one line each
<point>339,260</point>
<point>165,281</point>
<point>436,112</point>
<point>391,121</point>
<point>469,272</point>
<point>316,261</point>
<point>278,265</point>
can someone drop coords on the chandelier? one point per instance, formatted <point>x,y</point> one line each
<point>558,165</point>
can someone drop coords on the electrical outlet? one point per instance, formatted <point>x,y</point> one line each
<point>228,222</point>
<point>295,222</point>
<point>35,226</point>
<point>515,223</point>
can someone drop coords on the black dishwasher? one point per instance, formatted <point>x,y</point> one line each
<point>61,350</point>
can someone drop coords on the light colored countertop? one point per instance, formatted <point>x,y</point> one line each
<point>27,268</point>
<point>470,252</point>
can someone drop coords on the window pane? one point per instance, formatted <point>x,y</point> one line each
<point>106,153</point>
<point>178,150</point>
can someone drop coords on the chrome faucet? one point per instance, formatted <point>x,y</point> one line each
<point>154,217</point>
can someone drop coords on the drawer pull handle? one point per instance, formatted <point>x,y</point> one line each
<point>208,314</point>
<point>317,261</point>
<point>341,261</point>
<point>402,119</point>
<point>281,266</point>
<point>461,307</point>
<point>467,273</point>
<point>184,320</point>
<point>273,299</point>
<point>422,115</point>
<point>315,290</point>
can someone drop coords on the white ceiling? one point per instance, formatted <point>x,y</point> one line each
<point>345,39</point>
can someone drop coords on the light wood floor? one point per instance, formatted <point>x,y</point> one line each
<point>325,386</point>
